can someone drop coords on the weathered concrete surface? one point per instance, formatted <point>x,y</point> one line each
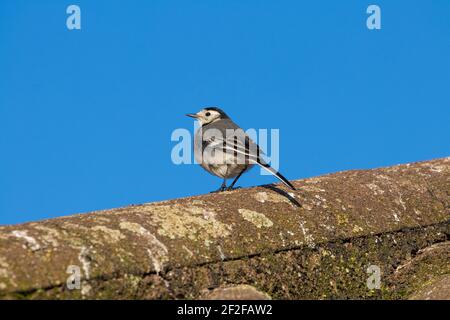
<point>316,243</point>
<point>438,289</point>
<point>239,292</point>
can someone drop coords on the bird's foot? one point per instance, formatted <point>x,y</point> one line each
<point>231,188</point>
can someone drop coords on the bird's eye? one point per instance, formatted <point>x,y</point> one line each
<point>208,114</point>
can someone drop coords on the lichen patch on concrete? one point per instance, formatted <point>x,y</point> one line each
<point>221,255</point>
<point>141,231</point>
<point>85,261</point>
<point>258,219</point>
<point>157,263</point>
<point>395,215</point>
<point>85,289</point>
<point>134,227</point>
<point>375,188</point>
<point>30,242</point>
<point>51,235</point>
<point>312,188</point>
<point>3,268</point>
<point>261,197</point>
<point>109,234</point>
<point>400,202</point>
<point>190,253</point>
<point>156,250</point>
<point>272,197</point>
<point>195,223</point>
<point>309,238</point>
<point>342,218</point>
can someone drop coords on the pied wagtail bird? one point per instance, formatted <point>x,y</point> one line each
<point>223,149</point>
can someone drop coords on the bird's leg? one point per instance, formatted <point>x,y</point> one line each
<point>236,179</point>
<point>223,187</point>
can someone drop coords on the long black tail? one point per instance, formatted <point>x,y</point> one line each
<point>275,173</point>
<point>245,150</point>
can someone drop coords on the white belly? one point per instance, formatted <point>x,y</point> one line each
<point>225,170</point>
<point>222,165</point>
<point>219,163</point>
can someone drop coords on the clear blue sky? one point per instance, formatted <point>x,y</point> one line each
<point>86,115</point>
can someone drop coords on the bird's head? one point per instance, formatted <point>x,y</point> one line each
<point>208,115</point>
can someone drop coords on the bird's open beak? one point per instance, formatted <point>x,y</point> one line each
<point>192,115</point>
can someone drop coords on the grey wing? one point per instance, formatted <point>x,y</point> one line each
<point>233,140</point>
<point>245,150</point>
